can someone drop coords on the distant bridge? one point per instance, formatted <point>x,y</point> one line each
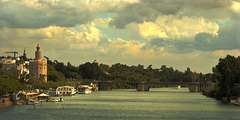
<point>192,86</point>
<point>145,86</point>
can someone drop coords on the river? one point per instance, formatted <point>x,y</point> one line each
<point>159,104</point>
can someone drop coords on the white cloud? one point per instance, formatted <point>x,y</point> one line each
<point>235,6</point>
<point>80,37</point>
<point>96,5</point>
<point>133,50</point>
<point>124,47</point>
<point>223,53</point>
<point>80,44</point>
<point>91,5</point>
<point>174,27</point>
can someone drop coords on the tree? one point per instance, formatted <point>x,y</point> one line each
<point>54,75</point>
<point>93,71</point>
<point>9,83</point>
<point>58,71</point>
<point>227,73</point>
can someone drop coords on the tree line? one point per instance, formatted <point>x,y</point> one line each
<point>121,75</point>
<point>225,75</point>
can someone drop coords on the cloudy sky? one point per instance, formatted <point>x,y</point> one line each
<point>178,33</point>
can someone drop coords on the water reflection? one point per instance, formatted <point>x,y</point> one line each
<point>160,104</point>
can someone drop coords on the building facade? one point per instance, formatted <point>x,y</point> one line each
<point>38,67</point>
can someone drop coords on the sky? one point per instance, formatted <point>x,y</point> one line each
<point>177,33</point>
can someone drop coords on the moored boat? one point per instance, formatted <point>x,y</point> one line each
<point>55,99</point>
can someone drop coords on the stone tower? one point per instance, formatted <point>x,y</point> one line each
<point>38,53</point>
<point>38,67</point>
<point>24,56</point>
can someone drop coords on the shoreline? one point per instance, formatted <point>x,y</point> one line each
<point>6,105</point>
<point>6,102</point>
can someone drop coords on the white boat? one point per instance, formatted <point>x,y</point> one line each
<point>65,91</point>
<point>84,89</point>
<point>55,99</point>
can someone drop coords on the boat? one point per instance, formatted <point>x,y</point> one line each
<point>84,89</point>
<point>65,91</point>
<point>43,97</point>
<point>55,99</point>
<point>235,101</point>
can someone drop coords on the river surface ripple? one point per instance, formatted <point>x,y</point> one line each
<point>159,104</point>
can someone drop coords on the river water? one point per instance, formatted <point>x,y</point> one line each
<point>159,104</point>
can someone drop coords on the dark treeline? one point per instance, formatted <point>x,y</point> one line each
<point>226,74</point>
<point>120,74</point>
<point>9,83</point>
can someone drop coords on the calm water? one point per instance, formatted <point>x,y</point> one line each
<point>160,104</point>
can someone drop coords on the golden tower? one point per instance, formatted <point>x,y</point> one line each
<point>39,66</point>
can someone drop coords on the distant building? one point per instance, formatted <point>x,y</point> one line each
<point>23,71</point>
<point>23,67</point>
<point>9,64</point>
<point>38,66</point>
<point>15,65</point>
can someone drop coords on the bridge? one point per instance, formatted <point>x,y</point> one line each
<point>192,86</point>
<point>145,86</point>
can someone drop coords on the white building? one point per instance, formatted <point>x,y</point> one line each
<point>18,66</point>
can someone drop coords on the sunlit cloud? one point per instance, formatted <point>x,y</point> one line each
<point>223,53</point>
<point>174,27</point>
<point>235,6</point>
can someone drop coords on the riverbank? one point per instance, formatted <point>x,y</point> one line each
<point>5,102</point>
<point>233,100</point>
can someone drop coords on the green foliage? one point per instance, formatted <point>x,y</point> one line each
<point>54,75</point>
<point>9,83</point>
<point>57,71</point>
<point>93,71</point>
<point>227,73</point>
<point>123,76</point>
